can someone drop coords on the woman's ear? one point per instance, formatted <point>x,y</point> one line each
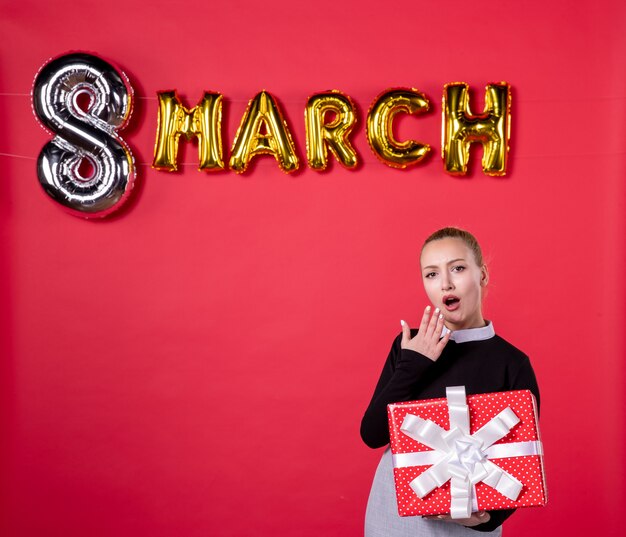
<point>484,276</point>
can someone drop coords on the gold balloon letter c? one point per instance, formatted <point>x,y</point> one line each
<point>380,127</point>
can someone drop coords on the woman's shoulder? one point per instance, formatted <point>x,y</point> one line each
<point>506,349</point>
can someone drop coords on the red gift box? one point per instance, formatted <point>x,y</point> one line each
<point>491,457</point>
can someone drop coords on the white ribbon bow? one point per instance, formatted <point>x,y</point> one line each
<point>461,457</point>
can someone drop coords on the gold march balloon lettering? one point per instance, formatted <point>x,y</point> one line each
<point>330,118</point>
<point>89,133</point>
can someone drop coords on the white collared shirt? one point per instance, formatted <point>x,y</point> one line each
<point>471,334</point>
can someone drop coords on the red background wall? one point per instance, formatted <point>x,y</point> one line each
<point>198,363</point>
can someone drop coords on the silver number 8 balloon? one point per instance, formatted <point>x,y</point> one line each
<point>84,101</point>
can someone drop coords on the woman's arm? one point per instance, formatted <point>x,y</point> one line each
<point>520,379</point>
<point>411,355</point>
<point>401,371</point>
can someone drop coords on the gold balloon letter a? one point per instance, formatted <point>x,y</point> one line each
<point>203,121</point>
<point>380,127</point>
<point>332,135</point>
<point>460,128</point>
<point>263,132</point>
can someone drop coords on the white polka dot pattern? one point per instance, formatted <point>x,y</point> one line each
<point>482,408</point>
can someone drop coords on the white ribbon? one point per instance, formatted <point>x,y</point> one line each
<point>463,458</point>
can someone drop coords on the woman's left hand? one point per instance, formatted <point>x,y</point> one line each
<point>480,517</point>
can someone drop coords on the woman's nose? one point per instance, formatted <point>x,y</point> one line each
<point>446,282</point>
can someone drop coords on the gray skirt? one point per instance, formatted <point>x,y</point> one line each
<point>382,519</point>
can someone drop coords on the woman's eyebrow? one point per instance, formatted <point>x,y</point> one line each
<point>448,263</point>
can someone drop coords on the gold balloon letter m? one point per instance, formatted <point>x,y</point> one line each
<point>204,121</point>
<point>461,128</point>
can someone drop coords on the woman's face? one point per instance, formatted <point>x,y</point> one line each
<point>453,282</point>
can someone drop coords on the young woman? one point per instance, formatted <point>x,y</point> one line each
<point>454,346</point>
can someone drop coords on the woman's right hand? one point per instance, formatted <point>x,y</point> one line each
<point>428,340</point>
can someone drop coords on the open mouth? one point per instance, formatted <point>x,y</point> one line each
<point>451,302</point>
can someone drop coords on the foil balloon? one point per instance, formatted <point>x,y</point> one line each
<point>380,127</point>
<point>263,131</point>
<point>84,101</point>
<point>461,128</point>
<point>204,122</point>
<point>322,135</point>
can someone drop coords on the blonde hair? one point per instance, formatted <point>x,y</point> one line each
<point>457,233</point>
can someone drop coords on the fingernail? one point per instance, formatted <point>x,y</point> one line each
<point>427,308</point>
<point>401,322</point>
<point>441,315</point>
<point>436,310</point>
